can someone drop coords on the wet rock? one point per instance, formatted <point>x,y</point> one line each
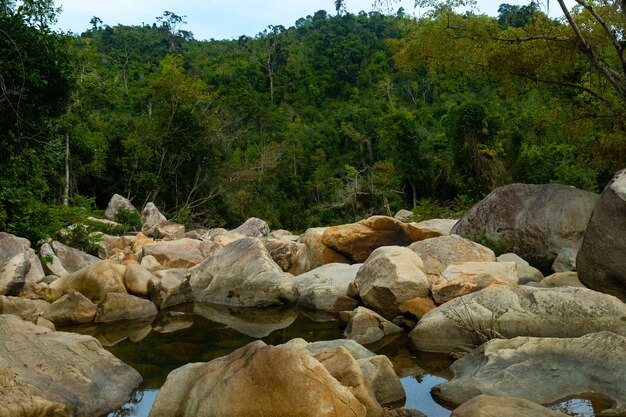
<point>326,288</point>
<point>73,308</point>
<point>490,406</point>
<point>282,382</point>
<point>543,370</point>
<point>533,221</point>
<point>170,287</point>
<point>116,203</point>
<point>284,253</point>
<point>182,253</point>
<point>525,272</point>
<point>469,321</point>
<point>62,374</point>
<point>366,326</point>
<point>253,227</point>
<point>389,277</point>
<point>357,241</point>
<point>601,263</point>
<point>118,307</point>
<point>462,278</point>
<point>94,281</point>
<point>172,321</point>
<point>242,274</point>
<point>314,253</point>
<point>25,309</point>
<point>136,280</point>
<point>561,279</point>
<point>439,252</point>
<point>72,259</point>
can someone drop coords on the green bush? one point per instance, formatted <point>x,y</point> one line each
<point>130,219</point>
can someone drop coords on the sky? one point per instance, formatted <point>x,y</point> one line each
<point>223,19</point>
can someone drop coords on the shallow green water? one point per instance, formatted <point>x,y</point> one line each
<point>201,333</point>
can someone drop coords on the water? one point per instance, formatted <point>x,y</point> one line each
<point>201,333</point>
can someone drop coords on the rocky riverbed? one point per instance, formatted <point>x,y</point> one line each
<point>385,292</point>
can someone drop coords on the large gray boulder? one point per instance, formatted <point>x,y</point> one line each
<point>44,373</point>
<point>326,288</point>
<point>543,370</point>
<point>253,227</point>
<point>469,321</point>
<point>116,203</point>
<point>389,277</point>
<point>20,268</point>
<point>242,274</point>
<point>533,221</point>
<point>256,380</point>
<point>154,224</point>
<point>72,259</point>
<point>601,262</point>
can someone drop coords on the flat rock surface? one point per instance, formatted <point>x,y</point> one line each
<point>490,406</point>
<point>543,370</point>
<point>62,371</point>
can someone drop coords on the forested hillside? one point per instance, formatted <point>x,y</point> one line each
<point>335,118</point>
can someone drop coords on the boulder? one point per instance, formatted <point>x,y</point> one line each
<point>170,287</point>
<point>430,228</point>
<point>601,263</point>
<point>366,326</point>
<point>111,246</point>
<point>543,370</point>
<point>182,253</point>
<point>561,279</point>
<point>533,221</point>
<point>94,281</point>
<point>417,307</point>
<point>565,260</point>
<point>24,276</point>
<point>139,241</point>
<point>256,380</point>
<point>284,253</point>
<point>118,307</point>
<point>151,217</point>
<point>72,308</point>
<point>389,277</point>
<point>242,274</point>
<point>525,272</point>
<point>314,253</point>
<point>25,309</point>
<point>151,264</point>
<point>136,280</point>
<point>281,234</point>
<point>115,204</point>
<point>51,263</point>
<point>490,406</point>
<point>155,225</point>
<point>439,252</point>
<point>462,278</point>
<point>253,227</point>
<point>326,287</point>
<point>72,259</point>
<point>44,373</point>
<point>468,321</point>
<point>357,241</point>
<point>403,214</point>
<point>226,238</point>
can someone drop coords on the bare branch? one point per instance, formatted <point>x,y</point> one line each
<point>565,84</point>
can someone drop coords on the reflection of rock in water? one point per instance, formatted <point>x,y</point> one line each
<point>251,322</point>
<point>319,316</point>
<point>111,334</point>
<point>169,321</point>
<point>411,363</point>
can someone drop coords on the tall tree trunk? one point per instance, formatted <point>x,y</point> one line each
<point>66,192</point>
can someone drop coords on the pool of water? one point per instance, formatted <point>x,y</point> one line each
<point>200,333</point>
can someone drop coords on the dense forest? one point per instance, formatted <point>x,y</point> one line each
<point>335,118</point>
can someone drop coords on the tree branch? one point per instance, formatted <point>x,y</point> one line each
<point>565,84</point>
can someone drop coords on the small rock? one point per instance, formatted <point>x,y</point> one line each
<point>561,279</point>
<point>367,327</point>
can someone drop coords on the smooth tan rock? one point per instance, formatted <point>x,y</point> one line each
<point>389,277</point>
<point>326,288</point>
<point>314,253</point>
<point>56,374</point>
<point>344,368</point>
<point>25,309</point>
<point>226,238</point>
<point>242,274</point>
<point>490,406</point>
<point>525,272</point>
<point>73,308</point>
<point>170,287</point>
<point>430,228</point>
<point>117,307</point>
<point>357,241</point>
<point>94,281</point>
<point>139,241</point>
<point>41,322</point>
<point>284,253</point>
<point>417,307</point>
<point>468,321</point>
<point>113,245</point>
<point>366,326</point>
<point>439,252</point>
<point>462,278</point>
<point>182,253</point>
<point>136,279</point>
<point>561,279</point>
<point>72,259</point>
<point>281,382</point>
<point>151,264</point>
<point>543,370</point>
